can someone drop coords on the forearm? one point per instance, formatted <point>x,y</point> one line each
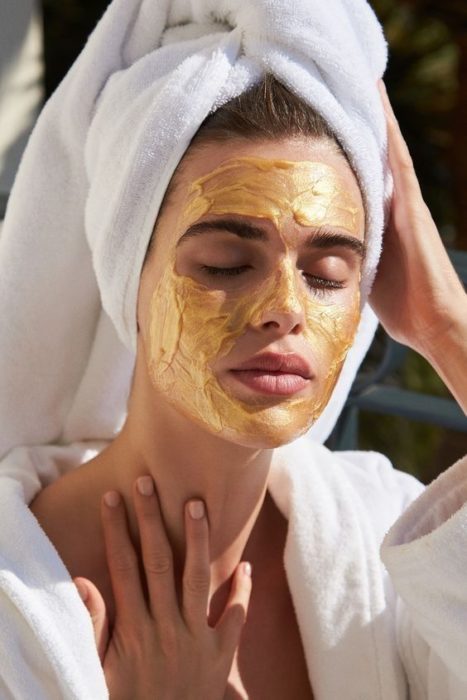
<point>448,355</point>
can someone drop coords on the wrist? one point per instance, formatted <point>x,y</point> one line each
<point>450,334</point>
<point>447,353</point>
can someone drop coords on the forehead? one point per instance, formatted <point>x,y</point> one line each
<point>201,162</point>
<point>208,156</point>
<point>310,192</point>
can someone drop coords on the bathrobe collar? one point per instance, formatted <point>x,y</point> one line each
<point>331,559</point>
<point>336,579</point>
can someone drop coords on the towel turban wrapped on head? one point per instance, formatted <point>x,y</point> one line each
<point>97,166</point>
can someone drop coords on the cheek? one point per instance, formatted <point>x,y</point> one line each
<point>330,331</point>
<point>189,325</point>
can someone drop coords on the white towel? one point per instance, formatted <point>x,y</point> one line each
<point>338,507</point>
<point>337,515</point>
<point>78,223</point>
<point>93,175</point>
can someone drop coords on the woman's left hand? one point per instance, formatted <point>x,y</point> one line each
<point>417,294</point>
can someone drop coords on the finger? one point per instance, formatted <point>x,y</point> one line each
<point>95,606</point>
<point>156,551</point>
<point>197,572</point>
<point>400,160</point>
<point>122,561</point>
<point>388,110</point>
<point>385,97</point>
<point>234,616</point>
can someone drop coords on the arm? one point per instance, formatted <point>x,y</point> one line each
<point>449,358</point>
<point>417,294</point>
<point>422,303</point>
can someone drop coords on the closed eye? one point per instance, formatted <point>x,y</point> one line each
<point>320,286</point>
<point>227,271</point>
<point>313,280</point>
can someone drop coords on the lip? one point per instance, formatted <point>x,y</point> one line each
<point>289,363</point>
<point>277,374</point>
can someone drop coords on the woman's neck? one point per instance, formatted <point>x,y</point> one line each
<point>186,462</point>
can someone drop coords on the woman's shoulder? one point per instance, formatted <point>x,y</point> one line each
<point>68,512</point>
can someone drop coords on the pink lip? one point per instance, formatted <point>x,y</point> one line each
<point>272,373</point>
<point>289,363</point>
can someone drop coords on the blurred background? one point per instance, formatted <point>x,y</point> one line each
<point>399,407</point>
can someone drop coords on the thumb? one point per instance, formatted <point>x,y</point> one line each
<point>95,605</point>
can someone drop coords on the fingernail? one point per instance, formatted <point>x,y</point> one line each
<point>112,498</point>
<point>145,485</point>
<point>83,591</point>
<point>247,568</point>
<point>196,509</point>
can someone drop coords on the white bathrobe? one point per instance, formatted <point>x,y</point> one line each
<point>362,640</point>
<point>76,231</point>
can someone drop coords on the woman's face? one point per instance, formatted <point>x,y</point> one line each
<point>250,300</point>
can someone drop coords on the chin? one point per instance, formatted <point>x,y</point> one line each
<point>265,439</point>
<point>257,427</point>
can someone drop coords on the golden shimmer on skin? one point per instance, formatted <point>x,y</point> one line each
<point>191,325</point>
<point>270,189</point>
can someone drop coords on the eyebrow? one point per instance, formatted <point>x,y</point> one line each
<point>323,237</point>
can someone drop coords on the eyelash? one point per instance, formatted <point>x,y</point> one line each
<point>323,287</point>
<point>224,271</point>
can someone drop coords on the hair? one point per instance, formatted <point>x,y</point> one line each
<point>267,111</point>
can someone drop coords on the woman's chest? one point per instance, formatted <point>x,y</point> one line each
<point>270,661</point>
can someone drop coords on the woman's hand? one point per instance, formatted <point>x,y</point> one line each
<point>417,294</point>
<point>155,649</point>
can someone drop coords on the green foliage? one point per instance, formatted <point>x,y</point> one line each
<point>422,81</point>
<point>67,24</point>
<point>412,446</point>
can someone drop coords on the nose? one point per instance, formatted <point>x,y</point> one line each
<point>282,310</point>
<point>284,323</point>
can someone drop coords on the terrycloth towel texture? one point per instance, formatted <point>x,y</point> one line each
<point>426,556</point>
<point>337,584</point>
<point>339,507</point>
<point>98,163</point>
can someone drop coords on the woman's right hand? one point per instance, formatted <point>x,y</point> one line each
<point>157,650</point>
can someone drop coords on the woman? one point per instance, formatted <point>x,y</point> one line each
<point>249,300</point>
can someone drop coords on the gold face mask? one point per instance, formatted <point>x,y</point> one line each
<point>191,325</point>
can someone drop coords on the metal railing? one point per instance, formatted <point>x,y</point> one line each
<point>370,393</point>
<point>3,203</point>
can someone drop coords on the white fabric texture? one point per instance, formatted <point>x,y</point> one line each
<point>91,181</point>
<point>79,219</point>
<point>361,642</point>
